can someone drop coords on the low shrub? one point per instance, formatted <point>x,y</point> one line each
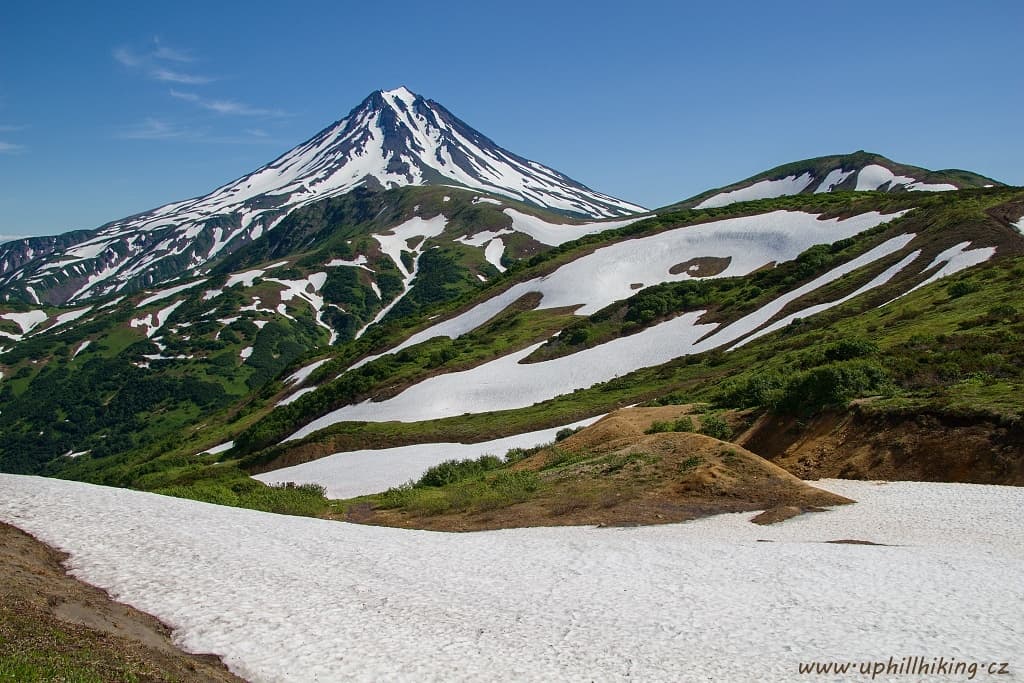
<point>683,424</point>
<point>307,500</point>
<point>690,463</point>
<point>760,390</point>
<point>715,426</point>
<point>565,433</point>
<point>834,384</point>
<point>560,457</point>
<point>397,496</point>
<point>962,288</point>
<point>659,426</point>
<point>453,471</point>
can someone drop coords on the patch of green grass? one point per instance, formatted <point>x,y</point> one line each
<point>477,493</point>
<point>42,667</point>
<point>454,471</point>
<point>691,463</point>
<point>616,463</point>
<point>683,424</point>
<point>714,426</point>
<point>562,457</point>
<point>306,500</point>
<point>37,649</point>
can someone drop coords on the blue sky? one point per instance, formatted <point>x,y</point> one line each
<point>111,111</point>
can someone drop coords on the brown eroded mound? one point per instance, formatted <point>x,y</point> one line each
<point>54,627</point>
<point>919,446</point>
<point>612,473</point>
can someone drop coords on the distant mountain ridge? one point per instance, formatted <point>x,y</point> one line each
<point>859,171</point>
<point>392,139</point>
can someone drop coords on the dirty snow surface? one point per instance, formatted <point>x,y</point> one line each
<point>298,599</point>
<point>356,473</point>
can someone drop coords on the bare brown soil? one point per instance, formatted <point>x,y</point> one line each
<point>613,474</point>
<point>853,444</point>
<point>42,609</point>
<point>702,266</point>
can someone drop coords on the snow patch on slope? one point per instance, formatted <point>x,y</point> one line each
<point>167,293</point>
<point>356,473</point>
<point>306,290</point>
<point>221,448</point>
<point>879,280</point>
<point>835,177</point>
<point>358,262</point>
<point>764,189</point>
<point>27,320</point>
<point>953,260</point>
<point>493,252</point>
<point>483,237</point>
<point>69,316</point>
<point>154,321</point>
<point>874,177</point>
<point>245,279</point>
<point>300,375</point>
<point>555,234</point>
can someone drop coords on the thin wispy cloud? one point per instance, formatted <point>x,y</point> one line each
<point>246,139</point>
<point>154,63</point>
<point>8,147</point>
<point>159,129</point>
<point>171,54</point>
<point>155,129</point>
<point>170,76</point>
<point>187,96</point>
<point>226,106</point>
<point>126,57</point>
<point>162,63</point>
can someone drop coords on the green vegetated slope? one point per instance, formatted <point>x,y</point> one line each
<point>944,222</point>
<point>951,346</point>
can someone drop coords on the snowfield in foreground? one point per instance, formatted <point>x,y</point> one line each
<point>295,599</point>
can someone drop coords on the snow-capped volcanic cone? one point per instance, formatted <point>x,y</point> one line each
<point>399,138</point>
<point>394,138</point>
